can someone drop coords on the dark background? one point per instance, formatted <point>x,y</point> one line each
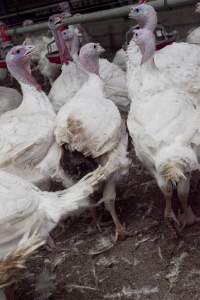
<point>13,12</point>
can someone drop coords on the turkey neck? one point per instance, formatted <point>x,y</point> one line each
<point>149,66</point>
<point>34,99</point>
<point>150,22</point>
<point>75,45</point>
<point>148,50</point>
<point>90,63</point>
<point>62,48</point>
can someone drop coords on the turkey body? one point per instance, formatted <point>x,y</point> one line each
<point>164,125</point>
<point>72,78</point>
<point>66,85</point>
<point>28,215</point>
<point>179,61</point>
<point>120,59</point>
<point>194,36</point>
<point>23,144</point>
<point>91,125</point>
<point>9,99</point>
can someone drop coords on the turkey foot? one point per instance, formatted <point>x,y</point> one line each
<point>172,222</point>
<point>188,217</point>
<point>95,220</point>
<point>170,216</point>
<point>50,245</point>
<point>121,233</point>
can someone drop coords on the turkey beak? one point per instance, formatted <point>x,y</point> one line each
<point>58,21</point>
<point>131,13</point>
<point>100,49</point>
<point>135,35</point>
<point>30,50</point>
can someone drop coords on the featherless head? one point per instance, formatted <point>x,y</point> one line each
<point>67,35</point>
<point>19,55</point>
<point>141,11</point>
<point>18,62</point>
<point>91,49</point>
<point>144,14</point>
<point>145,39</point>
<point>89,57</point>
<point>142,36</point>
<point>55,22</point>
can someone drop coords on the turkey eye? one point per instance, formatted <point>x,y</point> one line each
<point>137,10</point>
<point>136,34</point>
<point>95,46</point>
<point>18,51</point>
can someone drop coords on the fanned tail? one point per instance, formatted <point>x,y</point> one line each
<point>175,161</point>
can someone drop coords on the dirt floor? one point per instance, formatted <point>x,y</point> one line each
<point>150,264</point>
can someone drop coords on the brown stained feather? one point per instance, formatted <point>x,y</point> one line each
<point>11,265</point>
<point>78,136</point>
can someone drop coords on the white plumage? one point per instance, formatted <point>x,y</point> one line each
<point>72,78</point>
<point>28,215</point>
<point>163,123</point>
<point>120,59</point>
<point>9,99</point>
<point>180,61</point>
<point>66,85</point>
<point>50,71</point>
<point>27,141</point>
<point>91,124</point>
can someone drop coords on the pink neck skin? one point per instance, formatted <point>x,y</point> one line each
<point>62,48</point>
<point>90,63</point>
<point>22,73</point>
<point>75,45</point>
<point>148,49</point>
<point>150,24</point>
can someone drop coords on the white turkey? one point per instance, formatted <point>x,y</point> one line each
<point>9,99</point>
<point>145,18</point>
<point>169,59</point>
<point>194,36</point>
<point>120,59</point>
<point>28,215</point>
<point>164,126</point>
<point>90,127</point>
<point>50,71</point>
<point>27,146</point>
<point>71,79</point>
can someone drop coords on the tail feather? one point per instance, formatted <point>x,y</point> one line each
<point>173,172</point>
<point>175,161</point>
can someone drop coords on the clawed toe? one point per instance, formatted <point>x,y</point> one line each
<point>121,233</point>
<point>188,218</point>
<point>173,224</point>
